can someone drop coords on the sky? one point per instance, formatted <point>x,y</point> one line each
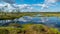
<point>31,5</point>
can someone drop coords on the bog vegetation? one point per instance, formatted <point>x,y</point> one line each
<point>27,29</point>
<point>15,28</point>
<point>13,15</point>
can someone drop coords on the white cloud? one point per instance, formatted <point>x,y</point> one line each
<point>9,1</point>
<point>24,7</point>
<point>21,7</point>
<point>1,5</point>
<point>27,7</point>
<point>6,7</point>
<point>41,5</point>
<point>48,3</point>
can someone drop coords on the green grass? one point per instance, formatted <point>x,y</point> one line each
<point>29,29</point>
<point>5,16</point>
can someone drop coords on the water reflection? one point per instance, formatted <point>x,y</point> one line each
<point>28,19</point>
<point>35,19</point>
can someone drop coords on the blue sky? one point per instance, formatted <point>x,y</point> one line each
<point>34,5</point>
<point>29,1</point>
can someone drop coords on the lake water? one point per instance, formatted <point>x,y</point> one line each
<point>50,21</point>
